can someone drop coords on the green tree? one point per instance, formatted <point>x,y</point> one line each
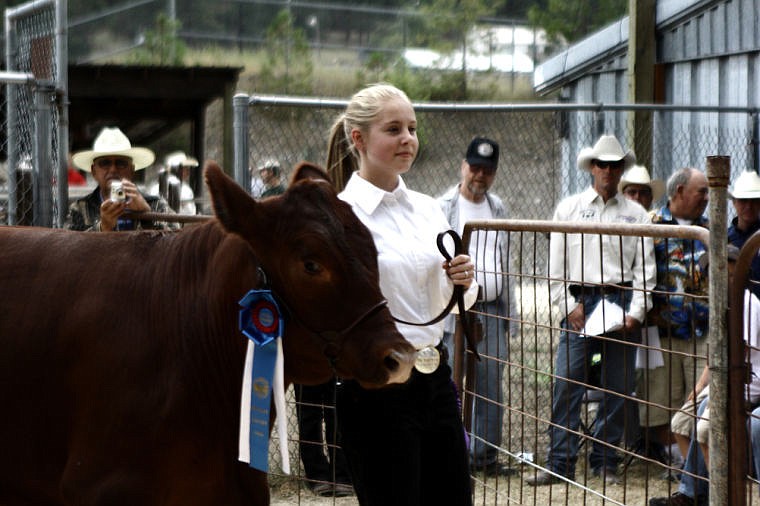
<point>288,66</point>
<point>162,45</point>
<point>571,20</point>
<point>448,25</point>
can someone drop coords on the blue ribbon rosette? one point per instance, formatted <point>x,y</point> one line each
<point>261,322</point>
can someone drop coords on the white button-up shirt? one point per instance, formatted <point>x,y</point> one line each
<point>618,259</point>
<point>405,225</point>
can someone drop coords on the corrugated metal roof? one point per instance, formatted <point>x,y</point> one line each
<point>610,41</point>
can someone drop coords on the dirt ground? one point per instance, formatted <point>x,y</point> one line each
<point>639,483</point>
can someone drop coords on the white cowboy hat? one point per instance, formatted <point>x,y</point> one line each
<point>606,149</point>
<point>112,141</point>
<point>180,159</point>
<point>638,174</point>
<point>746,186</point>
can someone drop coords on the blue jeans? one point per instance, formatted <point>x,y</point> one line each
<point>695,464</point>
<point>573,359</point>
<point>488,411</point>
<point>754,424</point>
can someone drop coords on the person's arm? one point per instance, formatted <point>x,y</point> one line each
<point>558,287</point>
<point>644,271</point>
<point>702,382</point>
<point>160,205</point>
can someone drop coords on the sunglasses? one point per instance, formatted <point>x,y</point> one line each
<point>609,165</point>
<point>119,163</point>
<point>488,171</point>
<point>635,192</point>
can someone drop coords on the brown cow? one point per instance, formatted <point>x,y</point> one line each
<point>120,356</point>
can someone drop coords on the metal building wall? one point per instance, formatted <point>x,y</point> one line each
<point>710,51</point>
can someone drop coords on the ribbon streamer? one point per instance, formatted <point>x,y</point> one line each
<point>278,391</point>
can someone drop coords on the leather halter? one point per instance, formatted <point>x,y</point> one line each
<point>329,338</point>
<point>457,296</point>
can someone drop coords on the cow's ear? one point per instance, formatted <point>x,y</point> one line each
<point>308,170</point>
<point>233,207</point>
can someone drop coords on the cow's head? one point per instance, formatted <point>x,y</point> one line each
<point>321,261</point>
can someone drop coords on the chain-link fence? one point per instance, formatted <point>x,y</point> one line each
<point>539,142</point>
<point>539,145</point>
<point>34,190</point>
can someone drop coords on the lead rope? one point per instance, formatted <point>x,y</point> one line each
<point>457,295</point>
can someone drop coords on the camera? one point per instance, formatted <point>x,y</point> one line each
<point>117,192</point>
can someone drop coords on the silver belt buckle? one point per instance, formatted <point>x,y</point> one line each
<point>428,359</point>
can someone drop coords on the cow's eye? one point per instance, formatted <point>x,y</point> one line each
<point>312,267</point>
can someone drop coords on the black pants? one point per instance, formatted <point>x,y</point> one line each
<point>315,404</point>
<point>405,444</point>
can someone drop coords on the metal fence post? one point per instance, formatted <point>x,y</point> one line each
<point>42,162</point>
<point>62,63</point>
<point>240,143</point>
<point>599,117</point>
<point>10,118</point>
<point>718,174</point>
<point>755,143</point>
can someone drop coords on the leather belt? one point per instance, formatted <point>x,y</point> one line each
<point>599,290</point>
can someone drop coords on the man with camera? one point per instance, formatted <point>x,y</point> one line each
<point>114,204</point>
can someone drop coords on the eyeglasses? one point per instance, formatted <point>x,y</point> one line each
<point>119,163</point>
<point>602,164</point>
<point>487,171</point>
<point>635,192</point>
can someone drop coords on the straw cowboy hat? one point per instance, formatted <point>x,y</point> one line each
<point>746,186</point>
<point>113,142</point>
<point>180,159</point>
<point>606,149</point>
<point>638,174</point>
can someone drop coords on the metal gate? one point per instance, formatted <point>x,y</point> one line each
<point>35,140</point>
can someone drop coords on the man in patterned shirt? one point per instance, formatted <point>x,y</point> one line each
<point>680,306</point>
<point>113,160</point>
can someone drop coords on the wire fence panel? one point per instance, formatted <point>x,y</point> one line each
<point>539,147</point>
<point>34,145</point>
<point>613,370</point>
<point>539,143</point>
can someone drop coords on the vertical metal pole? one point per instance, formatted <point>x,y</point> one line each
<point>62,85</point>
<point>718,173</point>
<point>240,140</point>
<point>12,121</point>
<point>43,164</point>
<point>599,120</point>
<point>755,152</point>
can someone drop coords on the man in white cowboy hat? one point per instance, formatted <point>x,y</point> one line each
<point>113,162</point>
<point>638,186</point>
<point>469,200</point>
<point>580,280</point>
<point>172,184</point>
<point>745,194</point>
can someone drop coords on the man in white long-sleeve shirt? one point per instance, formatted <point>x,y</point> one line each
<point>584,270</point>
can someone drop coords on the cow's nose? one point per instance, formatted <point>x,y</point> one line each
<point>399,365</point>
